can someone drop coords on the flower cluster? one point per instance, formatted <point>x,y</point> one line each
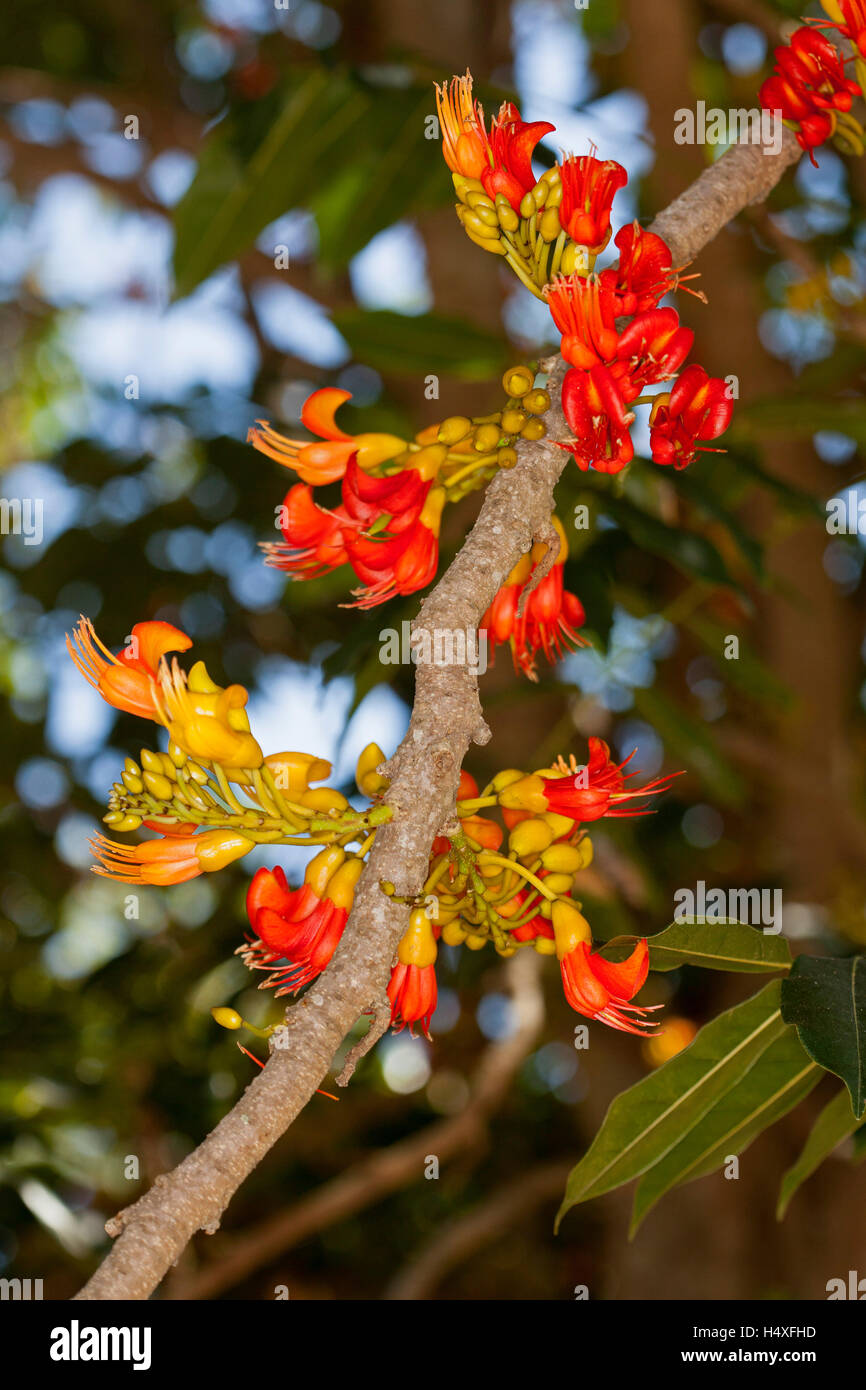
<point>809,87</point>
<point>212,795</point>
<point>393,491</point>
<point>613,362</point>
<point>519,894</point>
<point>532,617</point>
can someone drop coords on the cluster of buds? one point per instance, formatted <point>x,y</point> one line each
<point>386,526</point>
<point>532,614</point>
<point>809,88</point>
<point>212,795</point>
<point>554,225</point>
<point>518,893</point>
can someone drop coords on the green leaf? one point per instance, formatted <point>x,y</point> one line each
<point>431,343</point>
<point>825,999</point>
<point>776,1081</point>
<point>793,416</point>
<point>647,1121</point>
<point>252,171</point>
<point>724,945</point>
<point>835,1122</point>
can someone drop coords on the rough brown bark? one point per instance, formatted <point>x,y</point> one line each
<point>425,770</point>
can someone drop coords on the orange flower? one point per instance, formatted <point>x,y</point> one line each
<point>319,463</point>
<point>126,681</point>
<point>461,121</point>
<point>171,859</point>
<point>412,987</point>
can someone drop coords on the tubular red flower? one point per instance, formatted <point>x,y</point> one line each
<point>698,407</point>
<point>294,926</point>
<point>598,789</point>
<point>600,989</point>
<point>412,990</point>
<point>584,311</point>
<point>643,275</point>
<point>509,146</point>
<point>589,186</point>
<point>596,413</point>
<point>314,537</point>
<point>650,349</point>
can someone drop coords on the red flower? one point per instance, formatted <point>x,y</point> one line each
<point>585,314</point>
<point>412,987</point>
<point>598,789</point>
<point>651,348</point>
<point>464,143</point>
<point>808,86</point>
<point>595,410</point>
<point>313,536</point>
<point>398,564</point>
<point>600,989</point>
<point>853,25</point>
<point>550,614</point>
<point>510,145</point>
<point>698,407</point>
<point>589,186</point>
<point>814,65</point>
<point>300,926</point>
<point>644,273</point>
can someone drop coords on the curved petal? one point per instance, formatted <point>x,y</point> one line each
<point>319,410</point>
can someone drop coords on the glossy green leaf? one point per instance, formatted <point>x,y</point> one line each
<point>253,169</point>
<point>728,945</point>
<point>647,1121</point>
<point>777,1080</point>
<point>430,343</point>
<point>835,1122</point>
<point>825,999</point>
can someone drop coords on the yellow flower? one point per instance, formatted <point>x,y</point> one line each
<point>205,720</point>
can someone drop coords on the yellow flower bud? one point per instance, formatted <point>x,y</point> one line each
<point>131,782</point>
<point>527,794</point>
<point>560,825</point>
<point>487,437</point>
<point>455,428</point>
<point>323,799</point>
<point>127,823</point>
<point>505,778</point>
<point>418,946</point>
<point>341,886</point>
<point>513,421</point>
<point>429,460</point>
<point>518,380</point>
<point>217,848</point>
<point>151,762</point>
<point>544,946</point>
<point>549,225</point>
<point>530,837</point>
<point>453,934</point>
<point>570,928</point>
<point>562,859</point>
<point>227,1018</point>
<point>559,883</point>
<point>293,772</point>
<point>322,868</point>
<point>158,785</point>
<point>586,852</point>
<point>475,941</point>
<point>377,448</point>
<point>536,402</point>
<point>370,782</point>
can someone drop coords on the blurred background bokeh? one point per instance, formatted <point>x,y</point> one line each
<point>145,323</point>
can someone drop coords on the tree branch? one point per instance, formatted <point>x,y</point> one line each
<point>446,719</point>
